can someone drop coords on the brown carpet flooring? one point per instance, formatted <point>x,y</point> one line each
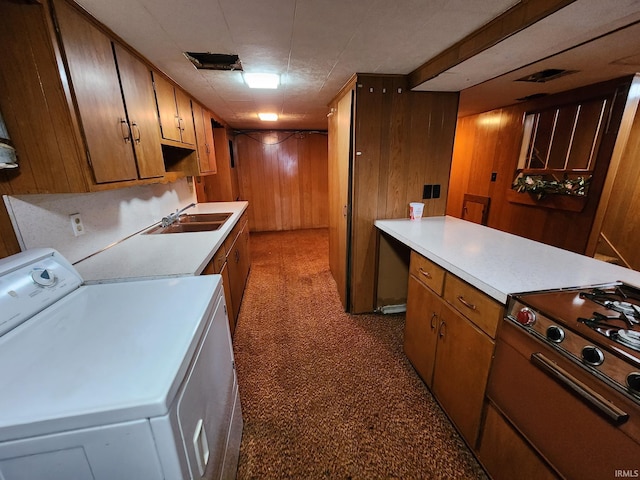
<point>326,394</point>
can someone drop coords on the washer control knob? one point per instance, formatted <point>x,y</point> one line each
<point>44,277</point>
<point>526,316</point>
<point>555,334</point>
<point>633,382</point>
<point>592,355</point>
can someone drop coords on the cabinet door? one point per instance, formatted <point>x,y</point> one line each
<point>204,139</point>
<point>166,100</point>
<point>463,358</point>
<point>239,262</point>
<point>97,92</point>
<point>211,166</point>
<point>185,118</point>
<point>226,284</point>
<point>137,87</point>
<point>420,330</point>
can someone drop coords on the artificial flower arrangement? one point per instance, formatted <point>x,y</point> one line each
<point>541,187</point>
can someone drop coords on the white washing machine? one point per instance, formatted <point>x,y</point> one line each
<point>131,380</point>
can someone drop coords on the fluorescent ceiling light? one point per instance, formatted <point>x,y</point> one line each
<point>268,117</point>
<point>262,80</point>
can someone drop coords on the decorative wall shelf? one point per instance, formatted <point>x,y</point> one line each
<point>570,203</point>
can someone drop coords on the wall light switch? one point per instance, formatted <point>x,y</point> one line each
<point>76,224</point>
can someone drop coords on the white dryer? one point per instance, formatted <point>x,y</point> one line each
<point>131,380</point>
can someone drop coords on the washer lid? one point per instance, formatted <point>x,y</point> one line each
<point>103,354</point>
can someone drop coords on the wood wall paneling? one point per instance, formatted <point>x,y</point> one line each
<point>621,226</point>
<point>284,176</point>
<point>339,153</point>
<point>490,142</point>
<point>403,140</point>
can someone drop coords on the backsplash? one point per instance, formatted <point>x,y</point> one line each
<point>107,217</point>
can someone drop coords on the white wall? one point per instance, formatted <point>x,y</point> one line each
<point>109,216</point>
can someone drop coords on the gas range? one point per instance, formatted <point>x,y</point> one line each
<point>597,327</point>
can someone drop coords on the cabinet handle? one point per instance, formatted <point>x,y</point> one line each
<point>434,317</point>
<point>135,129</point>
<point>124,128</point>
<point>465,303</point>
<point>441,329</point>
<point>425,273</point>
<point>609,410</point>
<point>178,119</point>
<point>237,256</point>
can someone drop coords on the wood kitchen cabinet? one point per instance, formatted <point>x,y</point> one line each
<point>118,130</point>
<point>78,104</point>
<point>218,265</point>
<point>384,145</point>
<point>204,139</point>
<point>174,108</point>
<point>223,186</point>
<point>238,261</point>
<point>451,352</point>
<point>233,261</point>
<point>506,455</point>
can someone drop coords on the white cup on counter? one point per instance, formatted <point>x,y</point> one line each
<point>415,210</point>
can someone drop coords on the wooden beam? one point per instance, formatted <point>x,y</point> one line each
<point>514,20</point>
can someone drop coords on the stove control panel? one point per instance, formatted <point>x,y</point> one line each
<point>31,281</point>
<point>599,361</point>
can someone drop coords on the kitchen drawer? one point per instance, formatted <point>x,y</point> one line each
<point>478,307</point>
<point>427,272</point>
<point>231,238</point>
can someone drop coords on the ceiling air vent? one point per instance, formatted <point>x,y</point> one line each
<point>214,61</point>
<point>546,75</point>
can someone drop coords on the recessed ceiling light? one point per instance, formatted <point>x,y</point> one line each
<point>262,80</point>
<point>268,117</point>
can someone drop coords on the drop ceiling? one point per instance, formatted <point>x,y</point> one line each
<point>316,45</point>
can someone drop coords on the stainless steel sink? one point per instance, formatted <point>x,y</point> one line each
<point>197,222</point>
<point>203,217</point>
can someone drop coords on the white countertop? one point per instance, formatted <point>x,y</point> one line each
<point>162,255</point>
<point>500,263</point>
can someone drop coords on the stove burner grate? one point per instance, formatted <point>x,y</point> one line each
<point>630,338</point>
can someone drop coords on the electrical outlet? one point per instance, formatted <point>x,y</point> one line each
<point>436,191</point>
<point>426,192</point>
<point>76,224</point>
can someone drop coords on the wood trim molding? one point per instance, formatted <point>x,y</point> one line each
<point>517,18</point>
<point>619,151</point>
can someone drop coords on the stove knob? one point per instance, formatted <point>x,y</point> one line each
<point>592,355</point>
<point>526,317</point>
<point>633,382</point>
<point>555,334</point>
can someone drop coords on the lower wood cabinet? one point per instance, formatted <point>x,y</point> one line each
<point>450,352</point>
<point>506,455</point>
<point>239,263</point>
<point>233,261</point>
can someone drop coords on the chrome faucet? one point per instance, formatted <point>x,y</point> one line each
<point>172,217</point>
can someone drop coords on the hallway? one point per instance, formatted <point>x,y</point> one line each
<point>326,394</point>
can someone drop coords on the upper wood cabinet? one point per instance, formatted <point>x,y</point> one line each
<point>79,106</point>
<point>174,107</point>
<point>112,132</point>
<point>204,138</point>
<point>223,186</point>
<point>137,88</point>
